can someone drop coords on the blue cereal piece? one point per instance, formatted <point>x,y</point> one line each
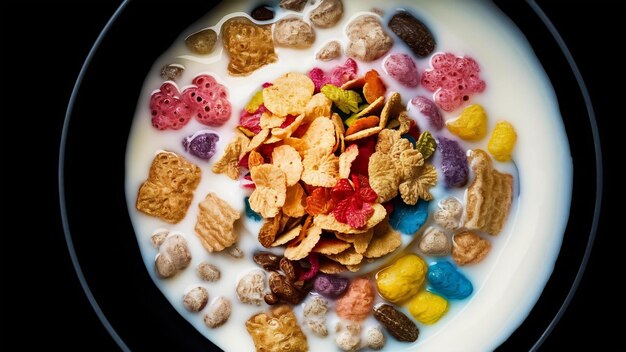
<point>449,282</point>
<point>249,212</point>
<point>407,219</point>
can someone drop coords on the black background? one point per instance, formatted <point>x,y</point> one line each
<point>43,47</point>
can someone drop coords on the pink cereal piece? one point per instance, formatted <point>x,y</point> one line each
<point>339,75</point>
<point>453,79</point>
<point>403,69</point>
<point>356,304</point>
<point>315,266</point>
<point>252,121</point>
<point>209,99</point>
<point>167,108</point>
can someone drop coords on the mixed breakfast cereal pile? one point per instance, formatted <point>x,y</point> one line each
<point>337,171</point>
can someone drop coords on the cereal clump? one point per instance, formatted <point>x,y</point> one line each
<point>277,331</point>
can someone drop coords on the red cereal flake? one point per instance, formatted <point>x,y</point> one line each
<point>453,79</point>
<point>167,108</point>
<point>366,149</point>
<point>288,121</point>
<point>266,151</point>
<point>252,121</point>
<point>413,130</point>
<point>356,206</point>
<point>243,162</point>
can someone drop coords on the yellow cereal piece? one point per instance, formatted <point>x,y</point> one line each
<point>364,133</point>
<point>330,246</point>
<point>287,236</point>
<point>384,178</point>
<point>257,140</point>
<point>392,108</point>
<point>269,120</point>
<point>471,125</point>
<point>328,266</point>
<point>320,168</point>
<point>427,307</point>
<point>321,134</point>
<point>372,109</point>
<point>347,257</point>
<point>302,246</point>
<point>255,159</point>
<point>294,201</point>
<point>384,241</point>
<point>403,279</point>
<point>318,106</point>
<point>270,192</point>
<point>277,330</point>
<point>502,141</point>
<point>255,102</point>
<point>386,139</point>
<point>339,133</point>
<point>286,132</point>
<point>289,94</point>
<point>288,160</point>
<point>345,160</point>
<point>362,241</point>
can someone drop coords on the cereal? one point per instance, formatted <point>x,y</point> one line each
<point>345,160</point>
<point>268,231</point>
<point>249,46</point>
<point>434,242</point>
<point>293,32</point>
<point>277,331</point>
<point>426,144</point>
<point>214,225</point>
<point>329,51</point>
<point>168,191</point>
<point>446,280</point>
<point>318,106</point>
<point>196,299</point>
<point>289,94</point>
<point>208,272</point>
<point>392,108</point>
<point>251,286</point>
<point>319,202</point>
<point>449,213</point>
<point>209,101</point>
<point>262,13</point>
<point>398,324</point>
<point>303,245</point>
<point>347,257</point>
<point>269,120</point>
<point>294,201</point>
<point>345,100</point>
<point>368,39</point>
<point>356,304</point>
<point>174,255</point>
<point>168,109</point>
<point>374,338</point>
<point>362,124</point>
<point>271,299</point>
<point>283,289</point>
<point>384,178</point>
<point>218,313</point>
<point>249,212</point>
<point>202,144</point>
<point>158,237</point>
<point>293,5</point>
<point>403,279</point>
<point>348,336</point>
<point>320,134</point>
<point>374,87</point>
<point>287,236</point>
<point>330,223</point>
<point>288,160</point>
<point>427,307</point>
<point>418,178</point>
<point>429,109</point>
<point>327,14</point>
<point>320,168</point>
<point>489,196</point>
<point>413,32</point>
<point>330,267</point>
<point>315,315</point>
<point>453,162</point>
<point>384,241</point>
<point>362,241</point>
<point>402,68</point>
<point>291,271</point>
<point>471,125</point>
<point>269,261</point>
<point>339,75</point>
<point>331,286</point>
<point>469,248</point>
<point>502,141</point>
<point>270,192</point>
<point>258,139</point>
<point>285,132</point>
<point>330,246</point>
<point>453,79</point>
<point>408,219</point>
<point>234,252</point>
<point>202,42</point>
<point>235,150</point>
<point>363,133</point>
<point>172,72</point>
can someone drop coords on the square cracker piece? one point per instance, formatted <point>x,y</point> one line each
<point>168,191</point>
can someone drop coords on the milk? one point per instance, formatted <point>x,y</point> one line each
<point>506,284</point>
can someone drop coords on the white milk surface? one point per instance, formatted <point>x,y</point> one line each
<point>506,284</point>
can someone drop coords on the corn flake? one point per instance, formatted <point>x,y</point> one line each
<point>391,109</point>
<point>328,221</point>
<point>373,109</point>
<point>302,246</point>
<point>270,192</point>
<point>345,160</point>
<point>384,241</point>
<point>386,139</point>
<point>384,178</point>
<point>321,134</point>
<point>255,159</point>
<point>287,236</point>
<point>286,132</point>
<point>320,168</point>
<point>362,124</point>
<point>269,120</point>
<point>289,94</point>
<point>330,246</point>
<point>339,133</point>
<point>268,231</point>
<point>235,150</point>
<point>288,159</point>
<point>294,201</point>
<point>364,133</point>
<point>330,267</point>
<point>354,84</point>
<point>347,257</point>
<point>318,106</point>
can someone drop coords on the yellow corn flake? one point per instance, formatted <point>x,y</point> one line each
<point>405,122</point>
<point>362,241</point>
<point>283,133</point>
<point>329,223</point>
<point>364,133</point>
<point>270,192</point>
<point>257,140</point>
<point>330,267</point>
<point>502,141</point>
<point>320,168</point>
<point>288,160</point>
<point>384,178</point>
<point>372,109</point>
<point>269,120</point>
<point>384,241</point>
<point>345,160</point>
<point>289,94</point>
<point>321,134</point>
<point>255,159</point>
<point>386,139</point>
<point>347,257</point>
<point>295,201</point>
<point>246,131</point>
<point>297,143</point>
<point>471,125</point>
<point>235,150</point>
<point>392,108</point>
<point>354,268</point>
<point>330,246</point>
<point>339,133</point>
<point>301,247</point>
<point>287,236</point>
<point>318,106</point>
<point>418,187</point>
<point>356,83</point>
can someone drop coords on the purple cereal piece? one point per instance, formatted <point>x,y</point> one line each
<point>201,144</point>
<point>330,286</point>
<point>453,162</point>
<point>428,108</point>
<point>402,68</point>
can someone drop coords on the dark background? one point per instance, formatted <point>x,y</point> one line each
<point>43,47</point>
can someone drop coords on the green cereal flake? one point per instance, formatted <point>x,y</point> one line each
<point>426,144</point>
<point>345,100</point>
